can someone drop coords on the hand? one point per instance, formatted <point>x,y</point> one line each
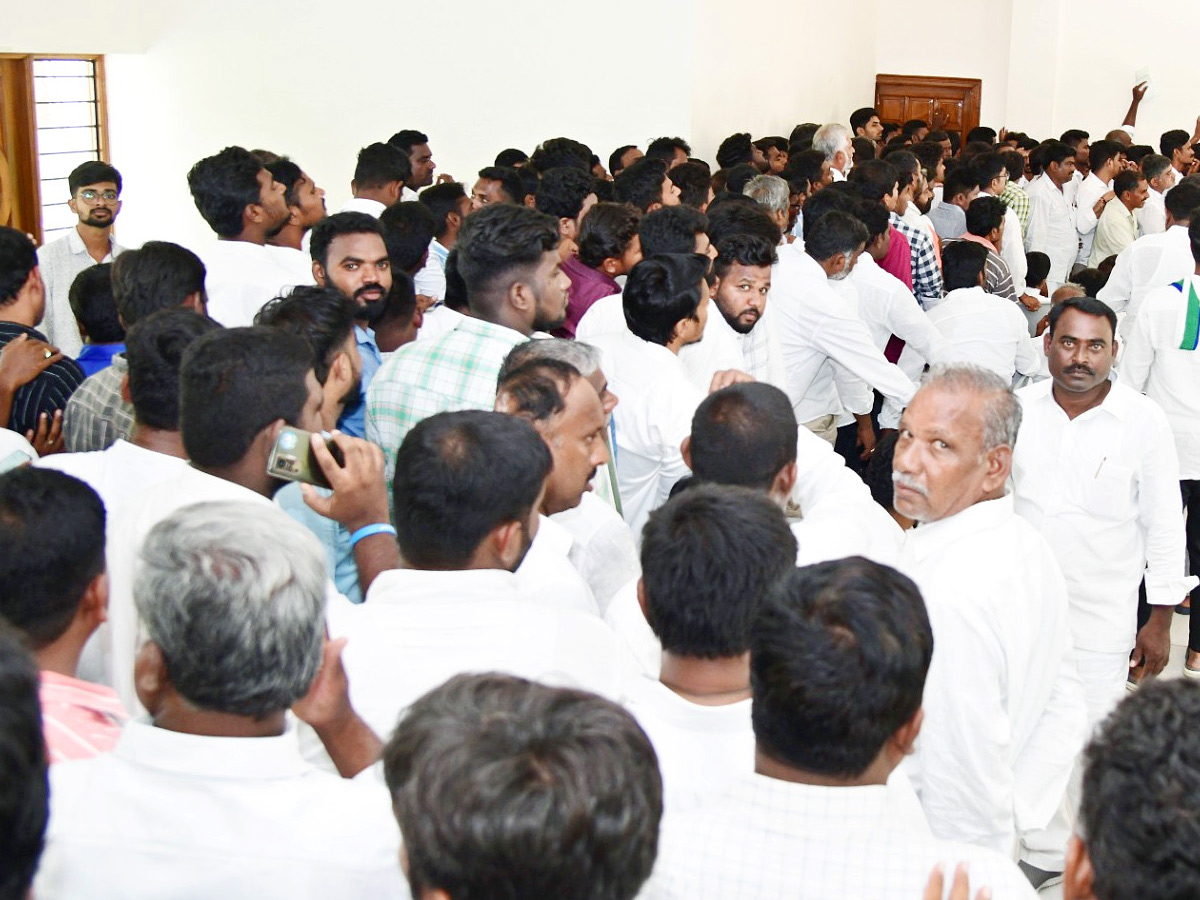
<point>48,437</point>
<point>1030,302</point>
<point>1042,326</point>
<point>23,359</point>
<point>938,120</point>
<point>1153,648</point>
<point>1002,136</point>
<point>726,377</point>
<point>866,438</point>
<point>444,178</point>
<point>424,302</point>
<point>1139,91</point>
<point>327,703</point>
<point>359,492</point>
<point>960,888</point>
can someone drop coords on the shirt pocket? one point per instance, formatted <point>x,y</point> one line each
<point>1104,489</point>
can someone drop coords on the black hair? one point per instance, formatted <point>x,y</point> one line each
<point>407,138</point>
<point>875,178</point>
<point>1102,152</point>
<point>930,154</point>
<point>838,659</point>
<point>25,800</point>
<point>744,250</point>
<point>154,349</point>
<point>743,435</point>
<point>1037,267</point>
<point>614,158</point>
<point>379,165</point>
<point>320,315</point>
<point>51,549</point>
<point>737,177</point>
<point>694,181</point>
<point>538,387</point>
<point>664,148</point>
<point>985,213</point>
<point>92,304</point>
<point>709,556</point>
<point>912,126</point>
<point>983,134</point>
<point>729,218</point>
<point>671,229</point>
<point>157,275</point>
<point>561,151</point>
<point>18,257</point>
<point>641,183</point>
<point>1137,152</point>
<point>501,244</point>
<point>223,186</point>
<point>511,158</point>
<point>959,179</point>
<point>530,179</point>
<point>864,150</point>
<point>660,292</point>
<point>322,234</point>
<point>607,231</point>
<point>443,199</point>
<point>507,788</point>
<point>876,217</point>
<point>562,191</point>
<point>1182,200</point>
<point>1014,162</point>
<point>408,230</point>
<point>1089,306</point>
<point>860,117</point>
<point>987,168</point>
<point>458,476</point>
<point>1054,152</point>
<point>510,181</point>
<point>839,232</point>
<point>285,172</point>
<point>735,150</point>
<point>1073,136</point>
<point>1127,180</point>
<point>456,289</point>
<point>1092,280</point>
<point>962,261</point>
<point>235,382</point>
<point>831,199</point>
<point>94,171</point>
<point>1173,140</point>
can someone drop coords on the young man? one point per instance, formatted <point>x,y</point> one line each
<point>646,185</point>
<point>450,206</point>
<point>1105,159</point>
<point>306,207</point>
<point>1051,217</point>
<point>609,248</point>
<point>958,190</point>
<point>96,199</point>
<point>415,145</point>
<point>379,177</point>
<point>96,315</point>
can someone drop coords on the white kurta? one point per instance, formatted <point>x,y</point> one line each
<point>602,547</point>
<point>987,330</point>
<point>547,573</point>
<point>1149,262</point>
<point>240,278</point>
<point>1052,229</point>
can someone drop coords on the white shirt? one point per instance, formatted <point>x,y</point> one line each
<point>839,527</point>
<point>1154,260</point>
<point>988,330</point>
<point>1052,229</point>
<point>1103,489</point>
<point>652,419</point>
<point>547,575</point>
<point>1091,189</point>
<point>1004,707</point>
<point>363,205</point>
<point>437,321</point>
<point>240,278</point>
<point>298,263</point>
<point>1012,250</point>
<point>771,839</point>
<point>431,280</point>
<point>172,816</point>
<point>407,194</point>
<point>14,450</point>
<point>59,262</point>
<point>122,471</point>
<point>1161,360</point>
<point>1152,217</point>
<point>604,316</point>
<point>416,629</point>
<point>827,350</point>
<point>602,548</point>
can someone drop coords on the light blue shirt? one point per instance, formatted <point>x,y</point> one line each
<point>335,540</point>
<point>353,420</point>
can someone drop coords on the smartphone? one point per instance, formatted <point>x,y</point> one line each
<point>292,457</point>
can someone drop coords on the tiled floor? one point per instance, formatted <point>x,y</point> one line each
<point>1179,640</point>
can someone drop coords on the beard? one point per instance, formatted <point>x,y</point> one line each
<point>739,324</point>
<point>548,321</point>
<point>369,310</point>
<point>99,221</point>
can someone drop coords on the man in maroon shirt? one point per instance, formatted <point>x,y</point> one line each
<point>609,247</point>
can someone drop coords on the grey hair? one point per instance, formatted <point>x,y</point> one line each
<point>768,191</point>
<point>1000,409</point>
<point>233,594</point>
<point>831,138</point>
<point>584,357</point>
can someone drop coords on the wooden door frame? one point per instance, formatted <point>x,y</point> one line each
<point>970,88</point>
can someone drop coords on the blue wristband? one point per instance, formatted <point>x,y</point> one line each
<point>368,530</point>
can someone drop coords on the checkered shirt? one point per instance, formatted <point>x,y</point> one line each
<point>96,416</point>
<point>927,274</point>
<point>1018,200</point>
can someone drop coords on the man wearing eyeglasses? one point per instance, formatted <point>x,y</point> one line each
<point>95,199</point>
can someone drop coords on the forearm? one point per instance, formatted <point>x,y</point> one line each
<point>374,554</point>
<point>350,743</point>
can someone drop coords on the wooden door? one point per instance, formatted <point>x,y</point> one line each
<point>899,98</point>
<point>20,204</point>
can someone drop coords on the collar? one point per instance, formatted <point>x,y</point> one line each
<point>812,801</point>
<point>578,271</point>
<point>1092,176</point>
<point>984,515</point>
<point>975,291</point>
<point>489,329</point>
<point>1118,403</point>
<point>401,586</point>
<point>364,336</point>
<point>75,242</point>
<point>976,239</point>
<point>78,692</point>
<point>214,757</point>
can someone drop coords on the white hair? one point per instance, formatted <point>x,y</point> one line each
<point>233,594</point>
<point>831,138</point>
<point>584,357</point>
<point>1000,409</point>
<point>768,191</point>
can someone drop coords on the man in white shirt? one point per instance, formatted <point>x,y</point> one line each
<point>1176,145</point>
<point>1161,361</point>
<point>1153,260</point>
<point>1095,191</point>
<point>450,205</point>
<point>1118,228</point>
<point>831,363</point>
<point>505,787</point>
<point>467,490</point>
<point>1051,216</point>
<point>833,140</point>
<point>211,796</point>
<point>306,205</point>
<point>832,720</point>
<point>1004,715</point>
<point>700,591</point>
<point>415,145</point>
<point>95,188</point>
<point>988,330</point>
<point>1161,176</point>
<point>991,172</point>
<point>244,206</point>
<point>379,176</point>
<point>154,453</point>
<point>1095,471</point>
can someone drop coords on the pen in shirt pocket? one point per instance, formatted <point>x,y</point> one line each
<point>1099,467</point>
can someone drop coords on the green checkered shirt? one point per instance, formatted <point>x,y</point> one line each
<point>1019,201</point>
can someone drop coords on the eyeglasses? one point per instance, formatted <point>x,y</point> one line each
<point>90,196</point>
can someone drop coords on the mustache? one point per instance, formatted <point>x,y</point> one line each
<point>373,286</point>
<point>909,482</point>
<point>1079,367</point>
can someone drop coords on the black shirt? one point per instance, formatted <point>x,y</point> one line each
<point>45,394</point>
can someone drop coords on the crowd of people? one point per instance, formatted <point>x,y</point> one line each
<point>809,525</point>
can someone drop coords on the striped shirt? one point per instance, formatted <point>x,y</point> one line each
<point>80,719</point>
<point>48,392</point>
<point>97,417</point>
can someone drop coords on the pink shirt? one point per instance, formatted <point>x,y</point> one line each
<point>80,719</point>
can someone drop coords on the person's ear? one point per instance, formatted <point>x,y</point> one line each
<point>653,206</point>
<point>1046,342</point>
<point>999,465</point>
<point>641,597</point>
<point>611,266</point>
<point>685,449</point>
<point>266,438</point>
<point>196,302</point>
<point>73,205</point>
<point>125,395</point>
<point>82,330</point>
<point>1078,875</point>
<point>150,679</point>
<point>296,214</point>
<point>905,737</point>
<point>94,603</point>
<point>567,228</point>
<point>520,297</point>
<point>785,480</point>
<point>506,541</point>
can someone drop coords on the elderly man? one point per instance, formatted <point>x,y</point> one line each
<point>211,796</point>
<point>834,141</point>
<point>1004,714</point>
<point>1096,472</point>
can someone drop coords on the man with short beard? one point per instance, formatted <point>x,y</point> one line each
<point>349,255</point>
<point>95,199</point>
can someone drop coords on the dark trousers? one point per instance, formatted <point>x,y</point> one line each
<point>1190,491</point>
